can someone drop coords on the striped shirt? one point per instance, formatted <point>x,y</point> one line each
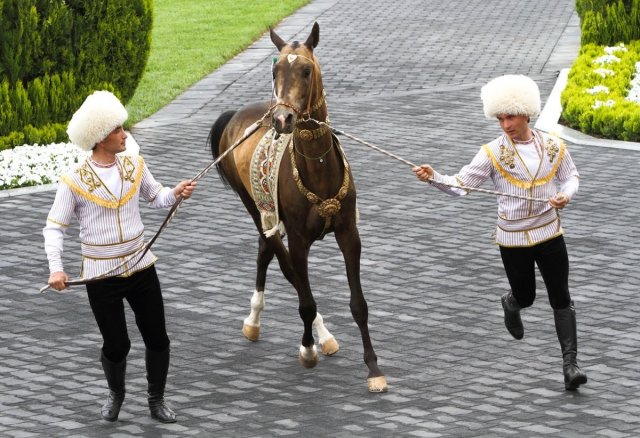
<point>529,169</point>
<point>105,201</point>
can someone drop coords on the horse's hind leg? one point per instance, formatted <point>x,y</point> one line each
<point>251,326</point>
<point>350,245</point>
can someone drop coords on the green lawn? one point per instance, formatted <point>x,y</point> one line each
<point>191,38</point>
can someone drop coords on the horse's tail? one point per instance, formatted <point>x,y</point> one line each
<point>214,141</point>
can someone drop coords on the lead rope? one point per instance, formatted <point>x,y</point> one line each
<point>455,186</point>
<point>172,212</point>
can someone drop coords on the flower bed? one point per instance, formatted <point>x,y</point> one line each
<point>602,96</point>
<point>32,165</point>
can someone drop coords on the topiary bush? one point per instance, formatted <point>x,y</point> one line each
<point>602,93</point>
<point>608,22</point>
<point>53,53</point>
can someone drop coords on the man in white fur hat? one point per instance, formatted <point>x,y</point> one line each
<point>531,164</point>
<point>103,194</point>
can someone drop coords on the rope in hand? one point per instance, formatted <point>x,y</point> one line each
<point>455,186</point>
<point>172,212</point>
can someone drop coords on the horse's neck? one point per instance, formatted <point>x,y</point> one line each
<point>320,164</point>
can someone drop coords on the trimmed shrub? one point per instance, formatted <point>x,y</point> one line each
<point>609,22</point>
<point>596,100</point>
<point>53,53</point>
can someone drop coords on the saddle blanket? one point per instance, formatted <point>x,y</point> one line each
<point>264,170</point>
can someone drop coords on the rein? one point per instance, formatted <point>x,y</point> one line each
<point>455,186</point>
<point>172,212</point>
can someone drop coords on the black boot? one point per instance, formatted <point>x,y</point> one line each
<point>512,315</point>
<point>157,367</point>
<point>566,328</point>
<point>114,372</point>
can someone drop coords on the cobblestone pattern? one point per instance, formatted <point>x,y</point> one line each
<point>405,76</point>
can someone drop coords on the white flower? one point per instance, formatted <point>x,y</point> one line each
<point>31,165</point>
<point>606,59</point>
<point>599,103</point>
<point>614,49</point>
<point>604,72</point>
<point>634,91</point>
<point>598,89</point>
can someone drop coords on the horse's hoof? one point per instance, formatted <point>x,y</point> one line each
<point>330,346</point>
<point>251,332</point>
<point>308,357</point>
<point>377,384</point>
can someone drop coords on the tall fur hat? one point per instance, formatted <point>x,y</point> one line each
<point>516,95</point>
<point>100,113</point>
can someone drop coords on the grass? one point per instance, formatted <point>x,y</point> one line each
<point>191,38</point>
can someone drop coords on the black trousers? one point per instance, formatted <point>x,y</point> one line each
<point>553,262</point>
<point>142,292</point>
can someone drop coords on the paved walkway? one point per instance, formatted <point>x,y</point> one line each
<point>406,76</point>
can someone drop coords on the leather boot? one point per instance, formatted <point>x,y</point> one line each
<point>114,372</point>
<point>157,364</point>
<point>565,320</point>
<point>512,315</point>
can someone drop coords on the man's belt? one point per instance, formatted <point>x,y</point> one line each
<point>528,223</point>
<point>113,250</point>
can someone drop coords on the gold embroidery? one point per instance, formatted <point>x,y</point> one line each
<point>549,176</point>
<point>521,183</point>
<point>57,223</point>
<point>136,181</point>
<point>507,156</point>
<point>86,193</point>
<point>89,178</point>
<point>552,149</point>
<point>496,163</point>
<point>127,169</point>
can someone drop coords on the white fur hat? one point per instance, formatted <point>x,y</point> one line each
<point>100,113</point>
<point>516,95</point>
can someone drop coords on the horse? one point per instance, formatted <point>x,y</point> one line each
<point>314,193</point>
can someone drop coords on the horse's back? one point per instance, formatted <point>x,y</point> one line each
<point>237,165</point>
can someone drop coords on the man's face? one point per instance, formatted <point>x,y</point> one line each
<point>115,142</point>
<point>516,127</point>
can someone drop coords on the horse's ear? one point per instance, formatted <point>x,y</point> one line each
<point>275,39</point>
<point>314,37</point>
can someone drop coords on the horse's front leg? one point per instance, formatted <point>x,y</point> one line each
<point>349,242</point>
<point>299,250</point>
<point>251,326</point>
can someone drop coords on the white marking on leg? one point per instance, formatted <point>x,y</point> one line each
<point>257,306</point>
<point>323,333</point>
<point>308,354</point>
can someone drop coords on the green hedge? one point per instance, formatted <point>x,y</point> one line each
<point>609,22</point>
<point>54,53</point>
<point>601,113</point>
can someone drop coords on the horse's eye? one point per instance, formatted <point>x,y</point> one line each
<point>306,72</point>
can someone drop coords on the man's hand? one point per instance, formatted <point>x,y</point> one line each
<point>185,188</point>
<point>58,280</point>
<point>424,172</point>
<point>559,201</point>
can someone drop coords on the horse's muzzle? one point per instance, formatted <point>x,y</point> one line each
<point>283,120</point>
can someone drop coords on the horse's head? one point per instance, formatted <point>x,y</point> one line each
<point>297,81</point>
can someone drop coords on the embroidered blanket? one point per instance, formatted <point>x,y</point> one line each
<point>264,170</point>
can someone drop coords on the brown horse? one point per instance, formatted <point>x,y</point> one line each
<point>315,193</point>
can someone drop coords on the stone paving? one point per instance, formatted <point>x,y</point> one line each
<point>405,76</point>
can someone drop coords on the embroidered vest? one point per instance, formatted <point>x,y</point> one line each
<point>522,222</point>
